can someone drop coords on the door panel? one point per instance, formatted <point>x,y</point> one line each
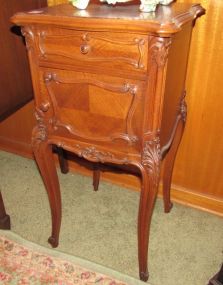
<point>91,108</point>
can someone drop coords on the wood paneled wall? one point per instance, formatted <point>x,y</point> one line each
<point>200,160</point>
<point>197,179</point>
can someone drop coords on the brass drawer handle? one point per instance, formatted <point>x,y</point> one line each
<point>84,48</point>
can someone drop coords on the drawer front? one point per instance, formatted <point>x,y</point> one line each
<point>95,50</point>
<point>88,108</point>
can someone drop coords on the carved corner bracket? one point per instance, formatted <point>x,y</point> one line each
<point>27,32</point>
<point>151,159</point>
<point>159,49</point>
<point>40,132</point>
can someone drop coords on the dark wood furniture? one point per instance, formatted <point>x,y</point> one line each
<point>109,86</point>
<point>15,81</point>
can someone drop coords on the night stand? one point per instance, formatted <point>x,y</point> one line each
<point>109,86</point>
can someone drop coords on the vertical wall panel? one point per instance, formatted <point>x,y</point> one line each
<point>200,159</point>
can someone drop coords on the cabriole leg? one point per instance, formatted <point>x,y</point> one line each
<point>44,158</point>
<point>150,170</point>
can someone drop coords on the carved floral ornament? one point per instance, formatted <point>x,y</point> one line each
<point>151,158</point>
<point>159,48</point>
<point>145,6</point>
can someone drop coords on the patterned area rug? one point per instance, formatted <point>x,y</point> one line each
<point>22,262</point>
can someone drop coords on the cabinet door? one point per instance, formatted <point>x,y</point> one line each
<point>88,107</point>
<point>15,81</point>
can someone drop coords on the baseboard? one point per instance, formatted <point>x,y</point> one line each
<point>16,147</point>
<point>197,200</point>
<point>178,194</point>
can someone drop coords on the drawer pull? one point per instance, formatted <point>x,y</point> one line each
<point>84,48</point>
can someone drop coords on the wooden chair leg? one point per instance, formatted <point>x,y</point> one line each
<point>4,218</point>
<point>44,158</point>
<point>96,176</point>
<point>62,155</point>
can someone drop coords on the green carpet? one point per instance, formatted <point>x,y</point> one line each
<point>185,246</point>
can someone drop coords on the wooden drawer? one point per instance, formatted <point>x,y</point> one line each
<point>93,50</point>
<point>88,108</point>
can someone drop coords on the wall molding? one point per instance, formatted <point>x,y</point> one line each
<point>16,147</point>
<point>197,200</point>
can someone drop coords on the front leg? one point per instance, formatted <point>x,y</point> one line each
<point>150,169</point>
<point>44,158</point>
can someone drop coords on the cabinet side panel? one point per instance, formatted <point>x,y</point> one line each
<point>175,81</point>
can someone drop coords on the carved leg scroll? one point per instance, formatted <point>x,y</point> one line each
<point>170,157</point>
<point>150,170</point>
<point>4,218</point>
<point>96,176</point>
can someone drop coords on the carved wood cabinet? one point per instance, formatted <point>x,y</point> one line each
<point>109,87</point>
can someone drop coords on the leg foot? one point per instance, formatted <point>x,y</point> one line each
<point>144,276</point>
<point>168,207</point>
<point>53,241</point>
